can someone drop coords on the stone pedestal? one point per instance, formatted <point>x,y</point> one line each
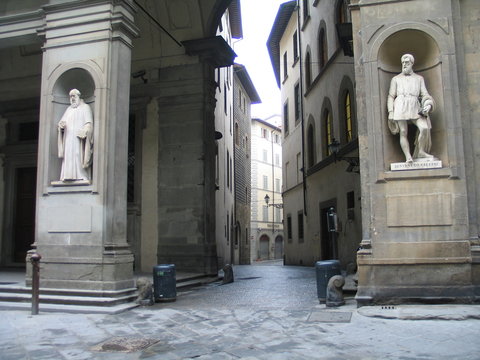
<point>81,227</point>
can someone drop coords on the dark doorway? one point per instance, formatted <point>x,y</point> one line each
<point>279,247</point>
<point>263,248</point>
<point>24,212</point>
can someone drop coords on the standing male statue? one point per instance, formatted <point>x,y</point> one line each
<point>75,139</point>
<point>409,101</point>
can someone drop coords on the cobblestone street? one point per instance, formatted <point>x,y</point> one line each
<point>269,312</point>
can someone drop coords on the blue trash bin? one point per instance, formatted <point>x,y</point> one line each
<point>164,282</point>
<point>324,271</point>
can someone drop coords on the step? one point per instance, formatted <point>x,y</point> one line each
<point>66,292</point>
<point>69,300</point>
<point>71,309</point>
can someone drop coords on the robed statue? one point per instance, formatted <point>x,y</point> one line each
<point>75,140</point>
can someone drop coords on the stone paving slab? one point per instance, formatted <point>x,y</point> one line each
<point>239,321</point>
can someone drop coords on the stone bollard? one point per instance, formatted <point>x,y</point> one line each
<point>35,260</point>
<point>227,274</point>
<point>334,291</point>
<point>145,292</point>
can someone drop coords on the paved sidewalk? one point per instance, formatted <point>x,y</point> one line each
<point>269,312</point>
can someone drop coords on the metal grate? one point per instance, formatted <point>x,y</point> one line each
<point>124,344</point>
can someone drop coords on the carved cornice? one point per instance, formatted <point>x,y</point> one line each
<point>116,15</point>
<point>215,50</point>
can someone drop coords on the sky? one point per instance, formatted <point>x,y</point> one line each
<point>257,20</point>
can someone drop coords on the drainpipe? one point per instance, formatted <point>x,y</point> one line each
<point>304,176</point>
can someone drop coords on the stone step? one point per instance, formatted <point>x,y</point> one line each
<point>14,295</point>
<point>69,300</point>
<point>71,309</point>
<point>76,292</point>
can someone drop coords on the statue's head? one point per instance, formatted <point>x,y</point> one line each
<point>74,97</point>
<point>407,64</point>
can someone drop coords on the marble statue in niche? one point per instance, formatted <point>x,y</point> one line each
<point>75,140</point>
<point>409,102</point>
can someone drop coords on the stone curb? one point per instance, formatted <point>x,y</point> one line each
<point>422,312</point>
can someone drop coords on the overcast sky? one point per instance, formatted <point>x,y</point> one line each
<point>257,20</point>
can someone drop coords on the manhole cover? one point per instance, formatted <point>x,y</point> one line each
<point>330,317</point>
<point>124,344</point>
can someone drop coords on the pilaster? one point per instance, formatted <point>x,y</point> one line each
<point>81,228</point>
<point>186,191</point>
<point>416,226</point>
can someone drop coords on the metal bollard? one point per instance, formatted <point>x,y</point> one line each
<point>35,260</point>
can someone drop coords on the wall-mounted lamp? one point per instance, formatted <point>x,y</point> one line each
<point>140,74</point>
<point>267,200</point>
<point>353,161</point>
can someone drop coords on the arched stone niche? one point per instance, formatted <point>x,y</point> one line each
<point>428,64</point>
<point>75,78</point>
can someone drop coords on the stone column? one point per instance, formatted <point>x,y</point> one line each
<point>81,226</point>
<point>186,191</point>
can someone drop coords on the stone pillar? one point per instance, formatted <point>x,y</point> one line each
<point>416,232</point>
<point>186,191</point>
<point>81,226</point>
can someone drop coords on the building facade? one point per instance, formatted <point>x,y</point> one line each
<point>316,80</point>
<point>266,235</point>
<point>244,96</point>
<point>224,168</point>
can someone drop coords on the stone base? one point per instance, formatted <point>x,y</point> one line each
<point>70,182</point>
<point>90,274</point>
<point>367,296</point>
<point>416,283</point>
<point>417,164</point>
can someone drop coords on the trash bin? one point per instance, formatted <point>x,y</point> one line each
<point>324,271</point>
<point>164,282</point>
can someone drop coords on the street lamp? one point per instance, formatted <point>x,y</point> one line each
<point>353,161</point>
<point>277,206</point>
<point>267,200</point>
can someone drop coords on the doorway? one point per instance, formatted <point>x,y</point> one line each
<point>279,247</point>
<point>24,212</point>
<point>263,247</point>
<point>326,246</point>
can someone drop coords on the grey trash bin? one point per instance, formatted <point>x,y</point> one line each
<point>324,271</point>
<point>164,282</point>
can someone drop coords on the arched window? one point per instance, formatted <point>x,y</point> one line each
<point>308,69</point>
<point>328,124</point>
<point>322,48</point>
<point>310,146</point>
<point>348,117</point>
<point>346,111</point>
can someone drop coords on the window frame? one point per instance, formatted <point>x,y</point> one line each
<point>300,227</point>
<point>297,102</point>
